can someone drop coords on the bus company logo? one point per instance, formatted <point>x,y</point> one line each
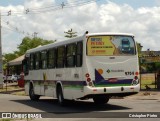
<point>108,71</point>
<point>118,70</point>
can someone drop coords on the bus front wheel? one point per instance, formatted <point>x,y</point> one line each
<point>100,99</point>
<point>32,95</point>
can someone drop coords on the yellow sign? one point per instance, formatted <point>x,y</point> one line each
<point>100,45</point>
<point>110,45</point>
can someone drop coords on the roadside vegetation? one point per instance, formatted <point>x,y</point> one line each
<point>12,88</point>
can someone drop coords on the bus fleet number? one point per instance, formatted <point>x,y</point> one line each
<point>129,73</point>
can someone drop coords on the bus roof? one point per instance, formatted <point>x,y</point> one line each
<point>55,44</point>
<point>109,33</point>
<point>71,40</point>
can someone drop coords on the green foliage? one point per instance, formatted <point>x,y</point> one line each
<point>70,34</point>
<point>9,57</point>
<point>27,43</point>
<point>6,119</point>
<point>139,48</point>
<point>157,66</point>
<point>153,67</point>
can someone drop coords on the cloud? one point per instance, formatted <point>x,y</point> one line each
<point>107,17</point>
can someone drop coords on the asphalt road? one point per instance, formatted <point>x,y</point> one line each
<point>81,109</point>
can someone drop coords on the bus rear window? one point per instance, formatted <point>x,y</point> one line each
<point>110,45</point>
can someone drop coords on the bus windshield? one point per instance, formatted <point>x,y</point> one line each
<point>110,45</point>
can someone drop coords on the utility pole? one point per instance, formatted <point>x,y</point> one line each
<point>1,60</point>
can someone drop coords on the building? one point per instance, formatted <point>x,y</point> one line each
<point>15,66</point>
<point>150,56</point>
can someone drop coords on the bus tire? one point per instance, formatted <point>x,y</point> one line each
<point>32,95</point>
<point>100,99</point>
<point>60,97</point>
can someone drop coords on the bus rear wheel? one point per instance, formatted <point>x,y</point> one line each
<point>100,99</point>
<point>60,97</point>
<point>32,95</point>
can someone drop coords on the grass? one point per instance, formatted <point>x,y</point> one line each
<point>150,81</point>
<point>13,89</point>
<point>21,93</point>
<point>8,119</point>
<point>151,86</point>
<point>9,88</point>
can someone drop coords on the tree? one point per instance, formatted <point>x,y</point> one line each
<point>139,48</point>
<point>157,65</point>
<point>8,57</point>
<point>28,43</point>
<point>70,34</point>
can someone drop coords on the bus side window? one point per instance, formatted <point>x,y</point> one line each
<point>37,61</point>
<point>51,58</point>
<point>60,57</point>
<point>32,62</point>
<point>79,54</point>
<point>70,55</point>
<point>44,59</point>
<point>25,63</point>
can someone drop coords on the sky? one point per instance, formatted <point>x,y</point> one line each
<point>50,20</point>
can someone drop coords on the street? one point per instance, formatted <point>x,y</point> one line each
<point>81,109</point>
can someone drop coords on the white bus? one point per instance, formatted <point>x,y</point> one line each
<point>95,65</point>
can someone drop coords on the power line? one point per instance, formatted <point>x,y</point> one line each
<point>76,2</point>
<point>40,10</point>
<point>50,8</point>
<point>70,4</point>
<point>67,5</point>
<point>14,29</point>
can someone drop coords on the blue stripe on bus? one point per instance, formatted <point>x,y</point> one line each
<point>105,82</point>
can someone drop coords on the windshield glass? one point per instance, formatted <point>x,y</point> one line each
<point>110,45</point>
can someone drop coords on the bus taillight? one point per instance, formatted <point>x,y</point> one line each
<point>90,83</point>
<point>136,73</point>
<point>135,77</point>
<point>135,80</point>
<point>88,79</point>
<point>87,75</point>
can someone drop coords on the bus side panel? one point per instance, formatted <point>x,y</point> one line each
<point>49,85</point>
<point>73,93</point>
<point>27,87</point>
<point>74,83</point>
